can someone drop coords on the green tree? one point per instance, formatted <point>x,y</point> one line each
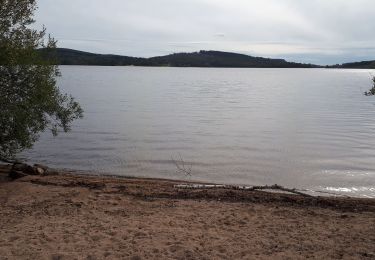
<point>371,92</point>
<point>30,100</point>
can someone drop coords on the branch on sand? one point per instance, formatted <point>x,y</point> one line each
<point>247,188</point>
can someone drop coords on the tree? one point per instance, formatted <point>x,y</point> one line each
<point>371,92</point>
<point>30,100</point>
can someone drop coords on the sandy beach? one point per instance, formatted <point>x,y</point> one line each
<point>81,217</point>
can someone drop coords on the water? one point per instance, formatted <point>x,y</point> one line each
<point>305,128</point>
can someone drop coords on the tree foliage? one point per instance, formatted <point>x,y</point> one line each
<point>30,101</point>
<point>371,92</point>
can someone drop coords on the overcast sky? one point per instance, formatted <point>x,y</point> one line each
<point>316,31</point>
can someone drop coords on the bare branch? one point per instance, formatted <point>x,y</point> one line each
<point>181,166</point>
<point>247,188</point>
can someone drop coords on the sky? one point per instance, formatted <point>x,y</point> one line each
<point>311,31</point>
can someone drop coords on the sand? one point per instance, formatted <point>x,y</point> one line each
<point>81,217</point>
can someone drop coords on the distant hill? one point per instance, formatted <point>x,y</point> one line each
<point>74,57</point>
<point>359,65</point>
<point>195,59</point>
<point>221,59</point>
<point>354,65</point>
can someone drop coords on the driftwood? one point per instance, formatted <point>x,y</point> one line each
<point>247,188</point>
<point>281,188</point>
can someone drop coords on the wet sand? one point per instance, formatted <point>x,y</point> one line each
<point>81,217</point>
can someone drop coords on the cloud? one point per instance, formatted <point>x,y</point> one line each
<point>329,31</point>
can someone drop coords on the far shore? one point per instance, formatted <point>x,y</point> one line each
<point>68,216</point>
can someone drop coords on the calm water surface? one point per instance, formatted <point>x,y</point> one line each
<point>305,128</point>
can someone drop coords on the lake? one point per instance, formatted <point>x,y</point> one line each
<point>304,128</point>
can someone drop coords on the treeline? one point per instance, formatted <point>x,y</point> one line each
<point>73,57</point>
<point>221,59</point>
<point>195,59</point>
<point>356,65</point>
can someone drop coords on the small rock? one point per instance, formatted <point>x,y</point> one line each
<point>20,170</point>
<point>19,167</point>
<point>45,168</point>
<point>30,170</point>
<point>17,174</point>
<point>39,171</point>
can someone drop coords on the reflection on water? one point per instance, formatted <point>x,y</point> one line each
<point>305,128</point>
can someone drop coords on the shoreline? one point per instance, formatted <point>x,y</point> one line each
<point>77,216</point>
<point>319,191</point>
<point>179,189</point>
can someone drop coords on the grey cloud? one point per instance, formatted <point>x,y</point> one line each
<point>322,31</point>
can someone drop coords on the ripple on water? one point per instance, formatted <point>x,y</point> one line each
<point>309,129</point>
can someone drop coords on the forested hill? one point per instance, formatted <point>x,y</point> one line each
<point>195,59</point>
<point>74,57</point>
<point>221,59</point>
<point>359,65</point>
